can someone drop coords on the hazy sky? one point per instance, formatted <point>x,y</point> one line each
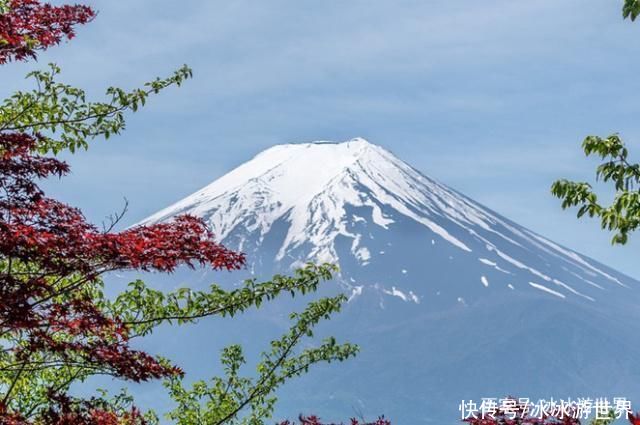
<point>492,98</point>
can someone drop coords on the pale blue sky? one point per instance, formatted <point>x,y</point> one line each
<point>492,98</point>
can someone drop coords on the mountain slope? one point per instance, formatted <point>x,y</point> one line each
<point>448,299</point>
<point>323,193</point>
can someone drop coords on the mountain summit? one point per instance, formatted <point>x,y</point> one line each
<point>448,299</point>
<point>317,199</point>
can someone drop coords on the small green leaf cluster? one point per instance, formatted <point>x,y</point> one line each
<point>631,9</point>
<point>622,216</point>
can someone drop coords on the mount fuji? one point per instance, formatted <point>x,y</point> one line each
<point>447,299</point>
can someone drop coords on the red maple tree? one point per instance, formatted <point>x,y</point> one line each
<point>55,325</point>
<point>27,26</point>
<point>51,253</point>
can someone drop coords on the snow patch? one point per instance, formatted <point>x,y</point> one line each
<point>355,292</point>
<point>575,257</point>
<point>404,297</point>
<point>517,263</point>
<point>358,219</point>
<point>545,289</point>
<point>494,265</point>
<point>379,218</point>
<point>360,252</point>
<point>570,289</point>
<point>487,262</point>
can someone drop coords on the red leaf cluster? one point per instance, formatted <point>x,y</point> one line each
<point>59,253</point>
<point>50,254</point>
<point>314,420</point>
<point>57,237</point>
<point>29,26</point>
<point>66,411</point>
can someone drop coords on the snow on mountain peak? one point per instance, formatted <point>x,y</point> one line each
<point>311,183</point>
<point>321,192</point>
<point>292,171</point>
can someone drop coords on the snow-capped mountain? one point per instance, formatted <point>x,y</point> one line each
<point>448,299</point>
<point>320,194</point>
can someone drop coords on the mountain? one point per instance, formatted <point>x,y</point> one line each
<point>448,299</point>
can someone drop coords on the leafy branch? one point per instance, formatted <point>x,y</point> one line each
<point>631,9</point>
<point>142,308</point>
<point>63,118</point>
<point>623,214</point>
<point>225,398</point>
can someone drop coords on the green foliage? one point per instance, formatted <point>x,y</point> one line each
<point>622,216</point>
<point>144,309</point>
<point>62,114</point>
<point>631,9</point>
<point>235,399</point>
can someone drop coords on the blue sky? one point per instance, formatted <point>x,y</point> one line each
<point>492,98</point>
